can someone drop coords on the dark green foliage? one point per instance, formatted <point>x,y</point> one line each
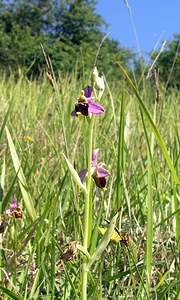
<point>70,32</point>
<point>168,63</point>
<point>21,33</point>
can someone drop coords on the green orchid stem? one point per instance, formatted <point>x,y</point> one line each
<point>104,242</point>
<point>14,239</point>
<point>87,214</point>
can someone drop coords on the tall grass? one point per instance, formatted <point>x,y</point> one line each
<point>140,146</point>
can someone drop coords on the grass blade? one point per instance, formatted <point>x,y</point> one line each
<point>153,127</point>
<point>10,294</point>
<point>120,161</point>
<point>21,178</point>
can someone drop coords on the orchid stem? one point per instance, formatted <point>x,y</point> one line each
<point>87,215</point>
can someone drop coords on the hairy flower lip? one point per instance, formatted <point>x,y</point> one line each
<point>85,104</point>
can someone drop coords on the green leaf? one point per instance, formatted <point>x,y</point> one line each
<point>21,178</point>
<point>162,280</point>
<point>10,293</point>
<point>2,183</point>
<point>104,242</point>
<point>83,250</point>
<point>74,174</point>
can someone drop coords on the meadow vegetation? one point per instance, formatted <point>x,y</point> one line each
<point>138,140</point>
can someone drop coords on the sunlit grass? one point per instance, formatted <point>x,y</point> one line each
<point>142,187</point>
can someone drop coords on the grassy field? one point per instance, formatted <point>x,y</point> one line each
<point>43,148</point>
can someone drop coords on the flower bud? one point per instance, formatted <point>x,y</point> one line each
<point>98,83</point>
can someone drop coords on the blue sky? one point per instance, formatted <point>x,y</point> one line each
<point>155,21</point>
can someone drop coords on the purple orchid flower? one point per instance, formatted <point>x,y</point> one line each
<point>13,206</point>
<point>85,104</point>
<point>14,209</point>
<point>98,173</point>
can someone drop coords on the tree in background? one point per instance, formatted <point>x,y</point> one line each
<point>168,63</point>
<point>70,31</point>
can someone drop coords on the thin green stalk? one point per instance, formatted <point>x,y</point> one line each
<point>153,128</point>
<point>2,219</point>
<point>89,182</point>
<point>53,258</point>
<point>87,216</point>
<point>176,217</point>
<point>120,162</point>
<point>14,238</point>
<point>149,226</point>
<point>60,110</point>
<point>87,195</point>
<point>104,242</point>
<point>150,231</point>
<point>84,279</point>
